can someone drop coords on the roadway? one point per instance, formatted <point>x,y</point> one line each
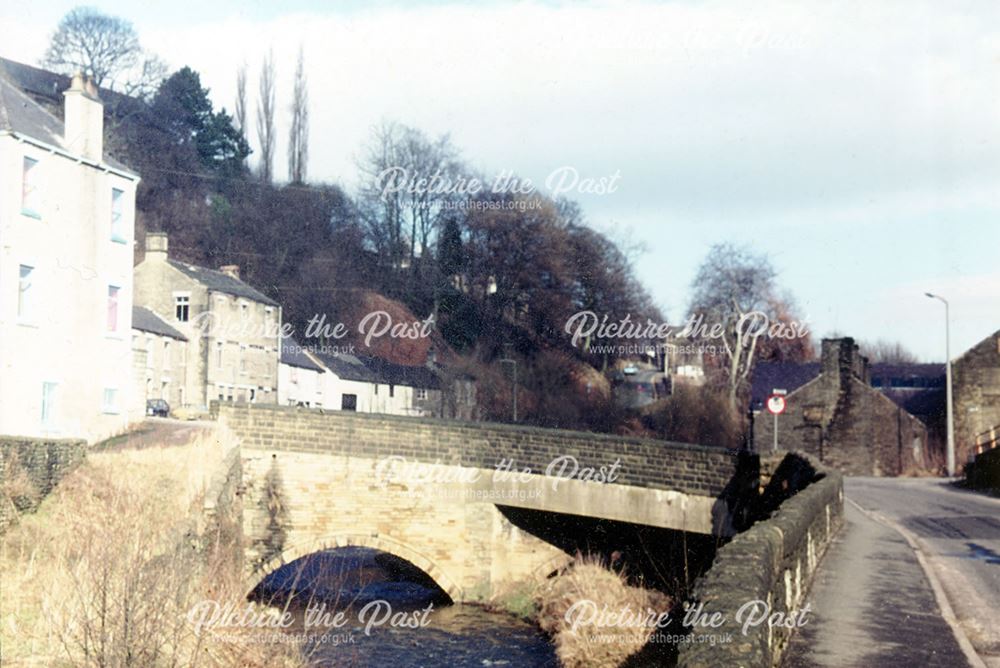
<point>917,560</point>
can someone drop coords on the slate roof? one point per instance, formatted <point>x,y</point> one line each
<point>36,81</point>
<point>146,321</point>
<point>790,376</point>
<point>401,374</point>
<point>220,282</point>
<point>377,370</point>
<point>347,367</point>
<point>293,354</point>
<point>24,116</point>
<point>19,113</point>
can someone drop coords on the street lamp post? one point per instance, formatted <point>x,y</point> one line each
<point>513,363</point>
<point>950,415</point>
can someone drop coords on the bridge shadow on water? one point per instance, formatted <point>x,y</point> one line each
<point>348,579</point>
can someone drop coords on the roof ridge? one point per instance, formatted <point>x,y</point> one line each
<point>247,291</point>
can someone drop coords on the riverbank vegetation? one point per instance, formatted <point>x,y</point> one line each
<point>105,572</point>
<point>594,617</point>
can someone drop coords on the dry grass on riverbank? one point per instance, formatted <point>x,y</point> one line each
<point>586,587</point>
<point>104,573</point>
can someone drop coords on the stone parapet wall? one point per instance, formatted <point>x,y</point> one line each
<point>774,561</point>
<point>650,463</point>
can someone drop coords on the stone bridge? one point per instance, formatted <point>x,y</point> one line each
<point>433,492</point>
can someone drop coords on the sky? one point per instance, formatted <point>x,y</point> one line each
<point>857,144</point>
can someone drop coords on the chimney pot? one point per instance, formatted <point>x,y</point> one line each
<point>232,270</point>
<point>91,89</point>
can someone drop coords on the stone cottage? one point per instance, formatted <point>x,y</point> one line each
<point>233,330</point>
<point>834,413</point>
<point>159,353</point>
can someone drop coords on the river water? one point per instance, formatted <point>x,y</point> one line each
<point>365,586</point>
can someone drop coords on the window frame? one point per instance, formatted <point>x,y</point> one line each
<point>25,295</point>
<point>50,402</point>
<point>30,192</point>
<point>112,407</point>
<point>186,305</point>
<point>113,296</point>
<point>118,235</point>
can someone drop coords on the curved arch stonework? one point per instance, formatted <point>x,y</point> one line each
<point>381,543</point>
<point>551,565</point>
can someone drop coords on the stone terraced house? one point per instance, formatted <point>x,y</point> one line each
<point>232,329</point>
<point>159,353</point>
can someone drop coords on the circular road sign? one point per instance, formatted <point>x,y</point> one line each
<point>776,404</point>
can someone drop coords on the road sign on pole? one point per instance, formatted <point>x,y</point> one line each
<point>776,406</point>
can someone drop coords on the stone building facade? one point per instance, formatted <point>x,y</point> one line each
<point>976,389</point>
<point>233,330</point>
<point>67,214</point>
<point>160,357</point>
<point>839,418</point>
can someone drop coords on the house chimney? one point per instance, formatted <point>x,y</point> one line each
<point>841,361</point>
<point>231,270</point>
<point>84,119</point>
<point>156,246</point>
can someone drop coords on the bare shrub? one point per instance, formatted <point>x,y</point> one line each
<point>108,569</point>
<point>18,492</point>
<point>588,583</point>
<point>695,414</point>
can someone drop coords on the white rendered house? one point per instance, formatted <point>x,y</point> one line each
<point>67,217</point>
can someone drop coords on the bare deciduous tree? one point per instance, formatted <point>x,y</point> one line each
<point>298,138</point>
<point>265,118</point>
<point>381,208</point>
<point>887,352</point>
<point>106,49</point>
<point>399,200</point>
<point>731,286</point>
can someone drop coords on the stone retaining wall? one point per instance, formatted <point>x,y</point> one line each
<point>774,561</point>
<point>30,468</point>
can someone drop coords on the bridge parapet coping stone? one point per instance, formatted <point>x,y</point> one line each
<point>682,467</point>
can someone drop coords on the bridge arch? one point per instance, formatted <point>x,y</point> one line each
<point>376,542</point>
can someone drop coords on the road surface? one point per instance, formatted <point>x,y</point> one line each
<point>874,604</point>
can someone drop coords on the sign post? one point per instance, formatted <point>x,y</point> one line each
<point>776,406</point>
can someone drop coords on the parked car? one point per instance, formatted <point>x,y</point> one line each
<point>157,408</point>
